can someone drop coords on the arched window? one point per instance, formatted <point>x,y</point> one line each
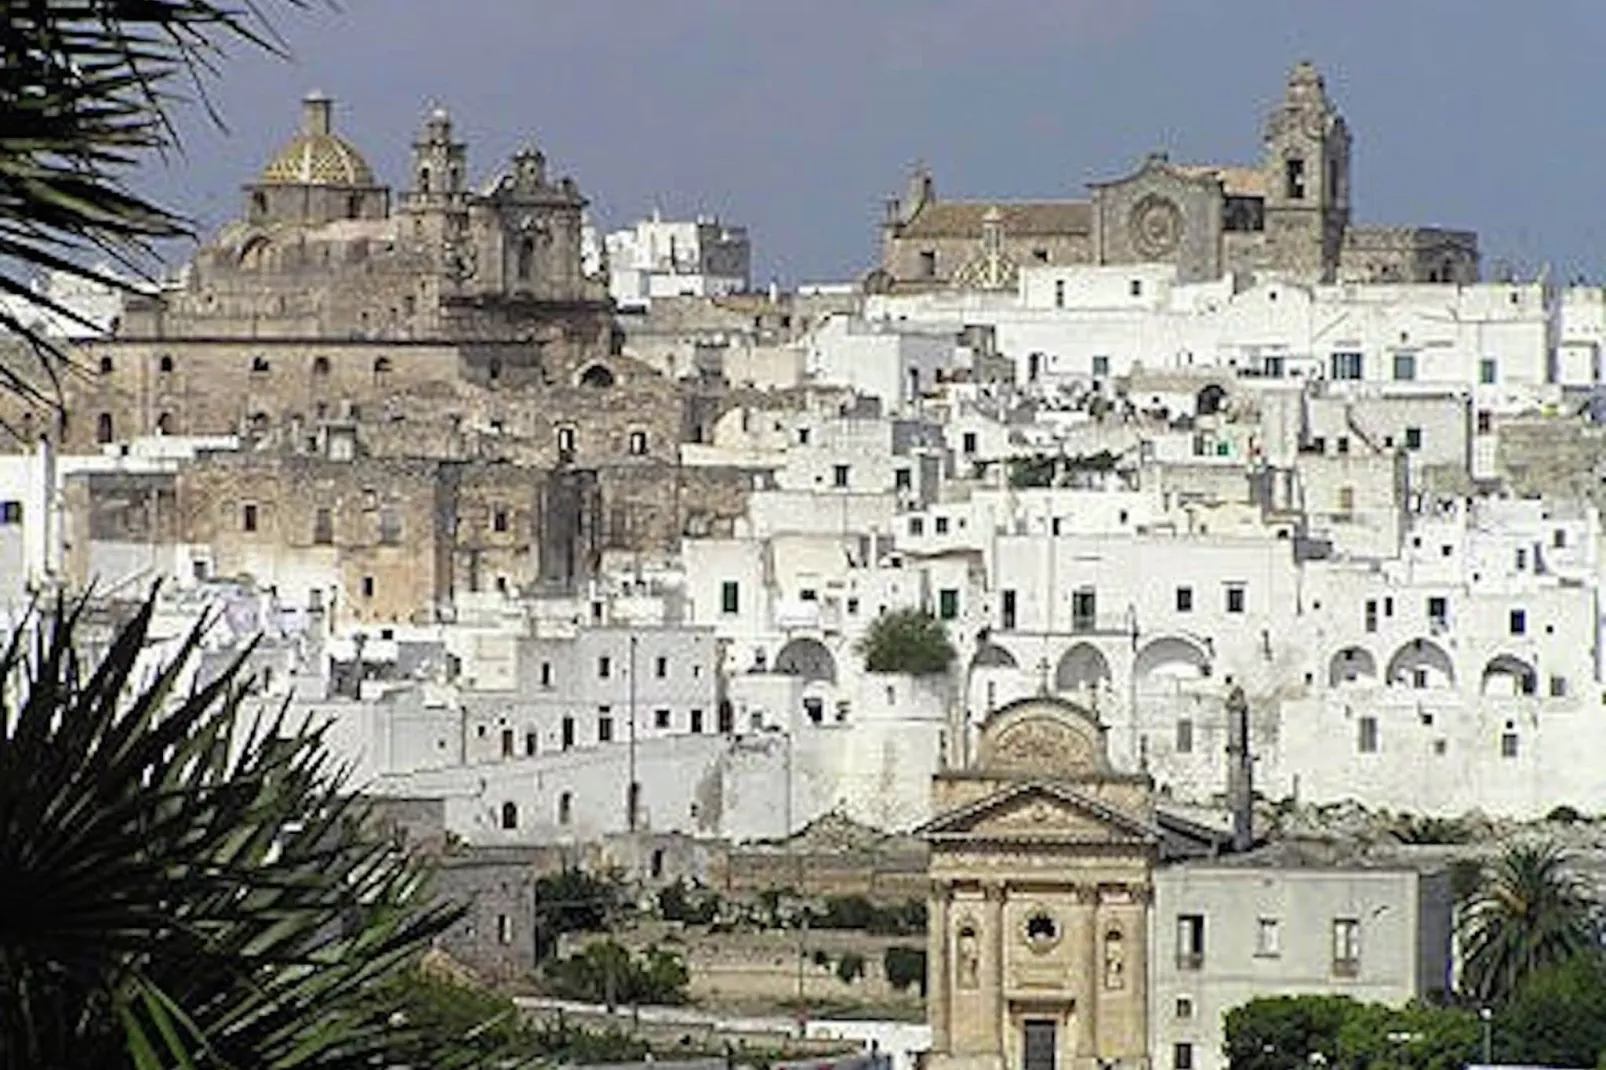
<point>510,815</point>
<point>423,180</point>
<point>381,365</point>
<point>164,424</point>
<point>105,365</point>
<point>597,376</point>
<point>320,365</point>
<point>259,204</point>
<point>354,206</point>
<point>526,259</point>
<point>103,428</point>
<point>565,808</point>
<point>165,364</point>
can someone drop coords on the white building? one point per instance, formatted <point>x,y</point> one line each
<point>660,258</point>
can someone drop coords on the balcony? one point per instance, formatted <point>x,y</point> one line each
<point>1191,961</point>
<point>1347,968</point>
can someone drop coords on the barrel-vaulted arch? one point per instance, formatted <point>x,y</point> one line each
<point>1172,657</point>
<point>808,658</point>
<point>995,677</point>
<point>1352,665</point>
<point>1420,664</point>
<point>1508,675</point>
<point>1081,667</point>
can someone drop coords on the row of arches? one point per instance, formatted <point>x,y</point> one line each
<point>1423,664</point>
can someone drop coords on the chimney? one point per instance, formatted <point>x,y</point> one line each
<point>1240,771</point>
<point>316,110</point>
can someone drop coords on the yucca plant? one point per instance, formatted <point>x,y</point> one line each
<point>183,883</point>
<point>87,89</point>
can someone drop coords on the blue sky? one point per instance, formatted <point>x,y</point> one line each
<point>798,118</point>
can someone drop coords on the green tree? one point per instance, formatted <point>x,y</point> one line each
<point>180,886</point>
<point>1282,1032</point>
<point>1286,1032</point>
<point>907,641</point>
<point>850,967</point>
<point>1557,1017</point>
<point>905,966</point>
<point>606,972</point>
<point>1529,911</point>
<point>573,901</point>
<point>87,91</point>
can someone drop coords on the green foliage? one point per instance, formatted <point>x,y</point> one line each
<point>1557,1017</point>
<point>1564,815</point>
<point>856,912</point>
<point>573,901</point>
<point>850,967</point>
<point>1432,830</point>
<point>1280,1033</point>
<point>905,966</point>
<point>86,90</point>
<point>606,972</point>
<point>1036,471</point>
<point>821,959</point>
<point>172,892</point>
<point>1529,912</point>
<point>907,641</point>
<point>676,903</point>
<point>1414,1037</point>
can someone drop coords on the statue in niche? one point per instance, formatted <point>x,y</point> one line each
<point>1114,960</point>
<point>969,958</point>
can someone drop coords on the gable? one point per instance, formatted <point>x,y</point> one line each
<point>1040,812</point>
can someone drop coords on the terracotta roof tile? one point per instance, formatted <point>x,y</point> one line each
<point>963,219</point>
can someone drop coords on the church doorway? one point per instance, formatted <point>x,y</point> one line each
<point>1040,1043</point>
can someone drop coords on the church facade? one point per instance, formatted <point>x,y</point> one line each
<point>1288,217</point>
<point>1042,862</point>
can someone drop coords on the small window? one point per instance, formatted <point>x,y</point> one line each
<point>917,525</point>
<point>499,519</point>
<point>10,513</point>
<point>103,428</point>
<point>968,442</point>
<point>248,518</point>
<point>1007,611</point>
<point>1059,293</point>
<point>1235,598</point>
<point>568,732</point>
<point>1190,941</point>
<point>1268,938</point>
<point>1184,735</point>
<point>1508,744</point>
<point>948,603</point>
<point>507,742</point>
<point>1294,179</point>
<point>390,526</point>
<point>695,720</point>
<point>941,523</point>
<point>1519,622</point>
<point>260,366</point>
<point>1041,929</point>
<point>164,364</point>
<point>1184,1007</point>
<point>604,728</point>
<point>367,586</point>
<point>902,479</point>
<point>661,718</point>
<point>565,808</point>
<point>730,600</point>
<point>638,443</point>
<point>1182,1056</point>
<point>1101,366</point>
<point>1558,538</point>
<point>1404,367</point>
<point>323,527</point>
<point>604,667</point>
<point>1367,741</point>
<point>1413,438</point>
<point>1485,421</point>
<point>566,441</point>
<point>381,365</point>
<point>1040,256</point>
<point>928,263</point>
<point>1135,288</point>
<point>504,929</point>
<point>1488,371</point>
<point>1347,365</point>
<point>839,476</point>
<point>1346,946</point>
<point>320,366</point>
<point>510,815</point>
<point>1558,687</point>
<point>105,365</point>
<point>660,667</point>
<point>531,744</point>
<point>1184,599</point>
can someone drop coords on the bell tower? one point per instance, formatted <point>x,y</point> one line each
<point>1307,161</point>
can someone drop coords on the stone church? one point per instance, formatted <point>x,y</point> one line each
<point>1289,217</point>
<point>1042,859</point>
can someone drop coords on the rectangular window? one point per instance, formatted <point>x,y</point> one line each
<point>1519,622</point>
<point>1413,438</point>
<point>1346,947</point>
<point>1084,610</point>
<point>499,519</point>
<point>661,718</point>
<point>10,513</point>
<point>928,263</point>
<point>1558,687</point>
<point>730,600</point>
<point>902,479</point>
<point>1184,599</point>
<point>1007,612</point>
<point>604,667</point>
<point>367,586</point>
<point>323,528</point>
<point>1488,371</point>
<point>566,441</point>
<point>1294,179</point>
<point>1439,611</point>
<point>1558,538</point>
<point>839,476</point>
<point>390,526</point>
<point>568,732</point>
<point>1404,367</point>
<point>968,442</point>
<point>1371,614</point>
<point>638,443</point>
<point>546,674</point>
<point>531,741</point>
<point>604,727</point>
<point>1182,1056</point>
<point>1346,500</point>
<point>1508,745</point>
<point>1135,288</point>
<point>1367,741</point>
<point>1059,293</point>
<point>1485,421</point>
<point>1184,736</point>
<point>1235,598</point>
<point>696,722</point>
<point>1347,365</point>
<point>1101,366</point>
<point>1190,941</point>
<point>942,525</point>
<point>1184,1007</point>
<point>248,518</point>
<point>660,667</point>
<point>504,928</point>
<point>507,742</point>
<point>1268,938</point>
<point>917,525</point>
<point>948,603</point>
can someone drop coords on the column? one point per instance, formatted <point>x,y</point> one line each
<point>939,967</point>
<point>1084,966</point>
<point>993,979</point>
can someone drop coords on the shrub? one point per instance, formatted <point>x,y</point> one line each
<point>907,641</point>
<point>675,904</point>
<point>1564,815</point>
<point>905,966</point>
<point>608,973</point>
<point>573,901</point>
<point>850,967</point>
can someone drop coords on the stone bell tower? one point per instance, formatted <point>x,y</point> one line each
<point>1307,168</point>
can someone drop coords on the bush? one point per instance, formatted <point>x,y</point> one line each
<point>573,901</point>
<point>608,973</point>
<point>858,913</point>
<point>675,904</point>
<point>907,641</point>
<point>850,967</point>
<point>905,966</point>
<point>1564,815</point>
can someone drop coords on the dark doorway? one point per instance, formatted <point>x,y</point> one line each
<point>1042,1043</point>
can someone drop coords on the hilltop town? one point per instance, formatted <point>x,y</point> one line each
<point>1080,571</point>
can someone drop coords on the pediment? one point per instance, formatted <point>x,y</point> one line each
<point>1040,812</point>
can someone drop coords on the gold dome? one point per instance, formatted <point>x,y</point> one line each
<point>316,157</point>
